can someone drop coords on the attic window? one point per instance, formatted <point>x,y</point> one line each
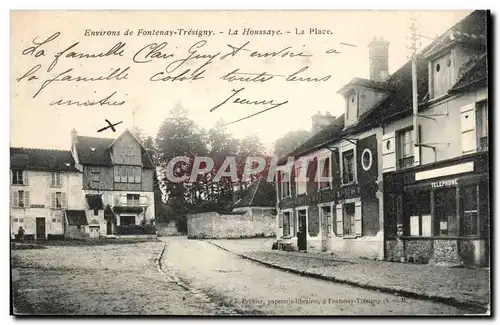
<point>92,149</point>
<point>438,67</point>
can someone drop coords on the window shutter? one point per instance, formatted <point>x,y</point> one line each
<point>280,220</point>
<point>53,200</point>
<point>25,177</point>
<point>27,199</point>
<point>64,202</point>
<point>340,220</point>
<point>358,216</point>
<point>468,128</point>
<point>123,199</point>
<point>15,199</point>
<point>389,152</point>
<point>52,179</point>
<point>61,179</point>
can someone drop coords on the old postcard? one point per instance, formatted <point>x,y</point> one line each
<point>248,163</point>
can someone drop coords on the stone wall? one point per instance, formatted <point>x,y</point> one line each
<point>445,252</point>
<point>247,223</point>
<point>167,229</point>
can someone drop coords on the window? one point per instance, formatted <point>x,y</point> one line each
<point>482,125</point>
<point>441,75</point>
<point>128,174</point>
<point>55,179</point>
<point>78,227</point>
<point>405,148</point>
<point>326,212</point>
<point>133,199</point>
<point>349,223</point>
<point>301,184</point>
<point>21,199</point>
<point>470,213</point>
<point>17,177</point>
<point>446,212</point>
<point>417,211</point>
<point>285,184</point>
<point>326,172</point>
<point>95,174</point>
<point>96,212</point>
<point>58,200</point>
<point>348,167</point>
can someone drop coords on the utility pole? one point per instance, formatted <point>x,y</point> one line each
<point>413,48</point>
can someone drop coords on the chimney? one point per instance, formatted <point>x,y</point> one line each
<point>74,138</point>
<point>379,59</point>
<point>319,122</point>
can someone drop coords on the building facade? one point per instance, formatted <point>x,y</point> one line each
<point>437,188</point>
<point>392,197</point>
<point>117,180</point>
<point>44,184</point>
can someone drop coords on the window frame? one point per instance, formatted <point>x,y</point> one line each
<point>19,200</point>
<point>352,153</point>
<point>400,145</point>
<point>128,174</point>
<point>352,230</point>
<point>286,179</point>
<point>329,223</point>
<point>319,172</point>
<point>132,202</point>
<point>482,124</point>
<point>55,179</point>
<point>15,175</point>
<point>300,185</point>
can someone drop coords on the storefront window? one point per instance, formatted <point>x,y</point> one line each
<point>417,212</point>
<point>349,224</point>
<point>470,213</point>
<point>446,212</point>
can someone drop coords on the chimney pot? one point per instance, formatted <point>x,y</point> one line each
<point>379,59</point>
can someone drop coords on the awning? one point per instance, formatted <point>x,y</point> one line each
<point>76,217</point>
<point>94,201</point>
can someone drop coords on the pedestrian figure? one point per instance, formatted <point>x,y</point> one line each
<point>20,233</point>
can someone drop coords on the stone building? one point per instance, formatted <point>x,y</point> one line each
<point>44,184</point>
<point>117,180</point>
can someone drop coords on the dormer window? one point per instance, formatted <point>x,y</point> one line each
<point>441,80</point>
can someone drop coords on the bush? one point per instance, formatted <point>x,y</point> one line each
<point>136,230</point>
<point>55,237</point>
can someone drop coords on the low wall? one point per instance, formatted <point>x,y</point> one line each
<point>244,223</point>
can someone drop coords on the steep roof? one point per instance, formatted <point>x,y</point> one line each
<point>476,76</point>
<point>42,159</point>
<point>368,83</point>
<point>259,194</point>
<point>97,151</point>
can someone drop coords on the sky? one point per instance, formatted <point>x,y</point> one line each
<point>35,123</point>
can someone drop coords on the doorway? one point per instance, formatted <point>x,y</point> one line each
<point>302,231</point>
<point>40,228</point>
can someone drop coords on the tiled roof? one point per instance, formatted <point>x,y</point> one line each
<point>76,217</point>
<point>94,201</point>
<point>96,151</point>
<point>93,151</point>
<point>259,194</point>
<point>42,159</point>
<point>478,73</point>
<point>368,83</point>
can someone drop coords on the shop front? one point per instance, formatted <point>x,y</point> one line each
<point>439,214</point>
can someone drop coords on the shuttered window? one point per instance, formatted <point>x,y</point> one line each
<point>58,200</point>
<point>19,177</point>
<point>21,199</point>
<point>55,179</point>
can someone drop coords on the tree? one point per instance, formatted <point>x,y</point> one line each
<point>290,141</point>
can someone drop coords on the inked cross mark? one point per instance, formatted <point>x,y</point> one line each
<point>112,126</point>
